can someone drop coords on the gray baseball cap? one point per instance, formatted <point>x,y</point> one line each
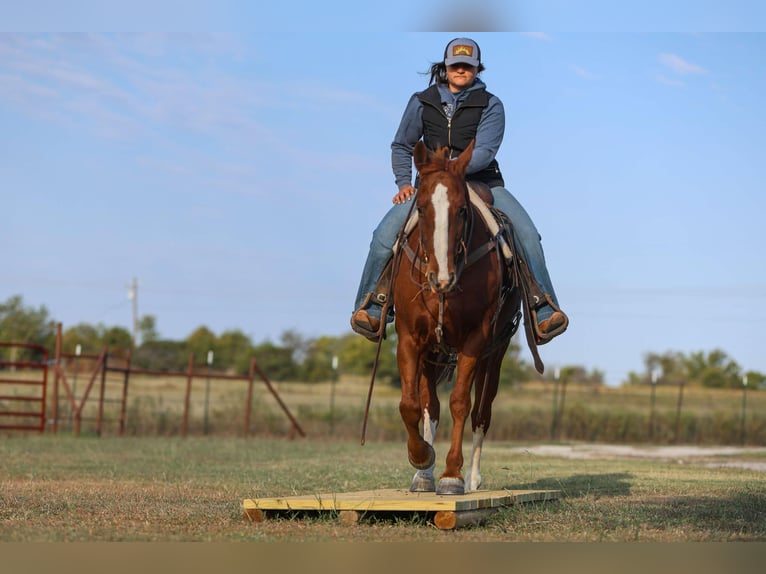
<point>462,50</point>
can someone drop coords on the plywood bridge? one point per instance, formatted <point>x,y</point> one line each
<point>451,511</point>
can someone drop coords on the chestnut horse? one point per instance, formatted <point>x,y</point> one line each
<point>452,300</point>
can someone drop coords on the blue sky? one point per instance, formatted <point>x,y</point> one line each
<point>238,176</point>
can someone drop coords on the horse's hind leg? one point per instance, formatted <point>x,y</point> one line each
<point>473,476</point>
<point>451,481</point>
<point>487,382</point>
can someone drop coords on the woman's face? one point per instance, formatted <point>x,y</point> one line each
<point>460,76</point>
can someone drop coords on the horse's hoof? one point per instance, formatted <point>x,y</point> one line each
<point>429,461</point>
<point>423,484</point>
<point>472,482</point>
<point>448,485</point>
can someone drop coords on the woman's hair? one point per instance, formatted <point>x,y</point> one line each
<point>438,73</point>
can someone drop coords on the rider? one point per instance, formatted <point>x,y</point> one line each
<point>453,110</point>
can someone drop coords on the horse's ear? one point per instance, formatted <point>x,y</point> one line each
<point>420,155</point>
<point>461,163</point>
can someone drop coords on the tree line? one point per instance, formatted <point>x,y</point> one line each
<point>297,358</point>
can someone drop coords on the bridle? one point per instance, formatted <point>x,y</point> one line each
<point>460,257</point>
<point>461,260</point>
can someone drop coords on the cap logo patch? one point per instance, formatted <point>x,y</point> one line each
<point>461,50</point>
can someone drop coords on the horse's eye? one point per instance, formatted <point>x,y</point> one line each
<point>463,211</point>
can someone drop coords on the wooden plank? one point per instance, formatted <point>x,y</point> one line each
<point>399,500</point>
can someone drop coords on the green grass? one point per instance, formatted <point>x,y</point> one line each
<point>60,488</point>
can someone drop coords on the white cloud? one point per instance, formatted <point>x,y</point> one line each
<point>669,82</point>
<point>582,72</point>
<point>680,66</point>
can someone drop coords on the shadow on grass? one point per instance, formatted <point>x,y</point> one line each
<point>577,485</point>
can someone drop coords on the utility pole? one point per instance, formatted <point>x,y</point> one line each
<point>133,296</point>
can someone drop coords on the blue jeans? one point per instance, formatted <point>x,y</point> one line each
<point>526,234</point>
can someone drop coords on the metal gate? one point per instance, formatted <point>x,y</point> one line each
<point>23,385</point>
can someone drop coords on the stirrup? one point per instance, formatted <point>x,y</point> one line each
<point>366,331</point>
<point>540,337</point>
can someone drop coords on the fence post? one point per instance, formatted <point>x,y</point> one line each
<point>207,391</point>
<point>678,410</point>
<point>249,403</point>
<point>77,353</point>
<point>653,400</point>
<point>57,362</point>
<point>555,411</point>
<point>100,416</point>
<point>562,398</point>
<point>189,376</point>
<point>123,407</point>
<point>332,393</point>
<point>744,409</point>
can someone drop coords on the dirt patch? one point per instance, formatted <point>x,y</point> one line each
<point>713,457</point>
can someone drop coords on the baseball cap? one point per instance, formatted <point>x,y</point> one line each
<point>462,50</point>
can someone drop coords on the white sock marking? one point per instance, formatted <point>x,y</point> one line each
<point>429,428</point>
<point>473,480</point>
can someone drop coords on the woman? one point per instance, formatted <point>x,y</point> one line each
<point>453,110</point>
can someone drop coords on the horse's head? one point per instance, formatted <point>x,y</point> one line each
<point>443,213</point>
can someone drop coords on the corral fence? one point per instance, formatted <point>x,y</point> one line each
<point>104,398</point>
<point>106,393</point>
<point>23,387</point>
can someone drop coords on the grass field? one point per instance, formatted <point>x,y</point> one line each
<point>61,488</point>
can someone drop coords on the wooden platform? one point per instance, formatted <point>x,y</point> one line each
<point>451,511</point>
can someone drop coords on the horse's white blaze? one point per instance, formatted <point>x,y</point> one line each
<point>440,202</point>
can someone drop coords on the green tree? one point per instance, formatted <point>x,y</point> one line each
<point>317,365</point>
<point>714,369</point>
<point>235,350</point>
<point>21,324</point>
<point>356,356</point>
<point>147,329</point>
<point>671,367</point>
<point>756,380</point>
<point>200,342</point>
<point>118,339</point>
<point>161,356</point>
<point>87,336</point>
<point>294,342</point>
<point>513,369</point>
<point>276,362</point>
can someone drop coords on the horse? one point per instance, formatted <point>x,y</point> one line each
<point>455,313</point>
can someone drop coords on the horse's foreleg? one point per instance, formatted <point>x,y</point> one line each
<point>424,481</point>
<point>421,453</point>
